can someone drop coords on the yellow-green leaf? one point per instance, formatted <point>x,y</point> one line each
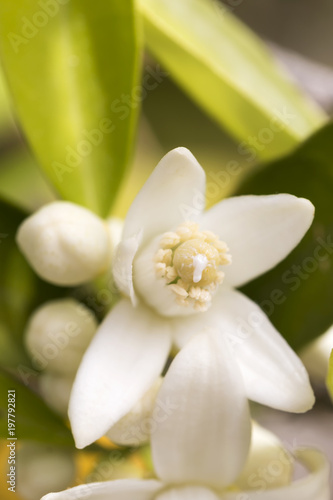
<point>225,68</point>
<point>329,380</point>
<point>34,421</point>
<point>69,65</point>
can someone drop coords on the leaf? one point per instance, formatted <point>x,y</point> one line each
<point>20,289</point>
<point>225,68</point>
<point>329,379</point>
<point>6,121</point>
<point>21,181</point>
<point>297,294</point>
<point>34,420</point>
<point>70,66</point>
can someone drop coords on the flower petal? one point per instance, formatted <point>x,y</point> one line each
<point>123,265</point>
<point>174,192</point>
<point>206,436</point>
<point>184,328</point>
<point>124,489</point>
<point>266,454</point>
<point>273,374</point>
<point>135,427</point>
<point>313,487</point>
<point>125,357</point>
<point>187,493</point>
<point>260,231</point>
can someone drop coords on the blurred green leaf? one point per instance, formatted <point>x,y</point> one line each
<point>6,120</point>
<point>21,181</point>
<point>70,65</point>
<point>329,379</point>
<point>20,289</point>
<point>297,294</point>
<point>16,287</point>
<point>34,420</point>
<point>225,68</point>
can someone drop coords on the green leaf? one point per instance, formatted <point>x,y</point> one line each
<point>34,420</point>
<point>6,120</point>
<point>16,278</point>
<point>297,294</point>
<point>21,181</point>
<point>70,66</point>
<point>225,68</point>
<point>329,379</point>
<point>20,289</point>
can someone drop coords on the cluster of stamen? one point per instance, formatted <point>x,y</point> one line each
<point>189,260</point>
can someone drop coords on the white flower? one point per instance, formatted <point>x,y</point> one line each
<point>157,266</point>
<point>200,449</point>
<point>65,244</point>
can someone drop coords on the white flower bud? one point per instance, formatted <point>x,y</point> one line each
<point>115,227</point>
<point>65,244</point>
<point>136,426</point>
<point>56,390</point>
<point>58,334</point>
<point>316,355</point>
<point>41,469</point>
<point>267,454</point>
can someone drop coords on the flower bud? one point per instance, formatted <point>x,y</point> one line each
<point>41,469</point>
<point>136,427</point>
<point>65,243</point>
<point>269,465</point>
<point>115,227</point>
<point>56,390</point>
<point>316,355</point>
<point>58,334</point>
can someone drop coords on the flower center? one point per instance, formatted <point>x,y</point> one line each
<point>189,261</point>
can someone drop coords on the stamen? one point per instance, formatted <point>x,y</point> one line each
<point>189,261</point>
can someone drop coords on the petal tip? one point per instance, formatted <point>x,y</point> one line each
<point>183,153</point>
<point>304,400</point>
<point>307,205</point>
<point>306,403</point>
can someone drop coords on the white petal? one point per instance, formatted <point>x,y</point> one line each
<point>266,454</point>
<point>135,427</point>
<point>65,244</point>
<point>185,328</point>
<point>125,357</point>
<point>123,265</point>
<point>124,489</point>
<point>174,192</point>
<point>260,231</point>
<point>273,374</point>
<point>313,487</point>
<point>206,435</point>
<point>187,493</point>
